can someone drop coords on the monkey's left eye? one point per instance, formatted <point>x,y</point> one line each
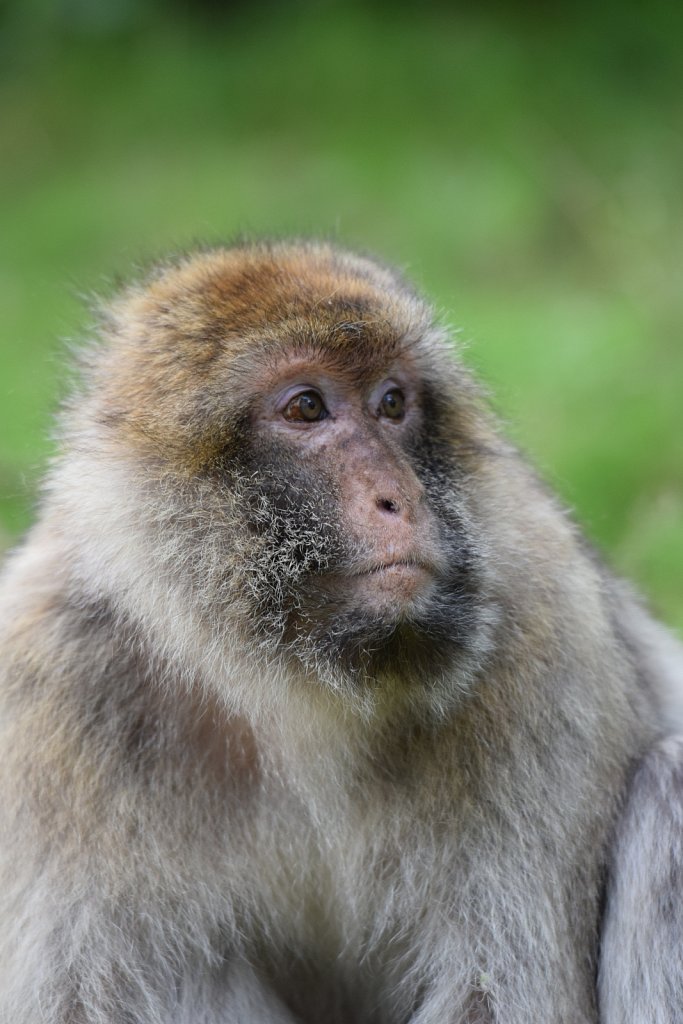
<point>393,404</point>
<point>308,407</point>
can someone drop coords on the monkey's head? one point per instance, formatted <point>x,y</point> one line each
<point>271,457</point>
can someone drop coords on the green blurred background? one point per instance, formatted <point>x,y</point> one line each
<point>524,163</point>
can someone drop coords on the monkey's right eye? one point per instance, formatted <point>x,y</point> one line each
<point>307,407</point>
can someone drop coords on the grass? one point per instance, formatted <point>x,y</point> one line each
<point>525,169</point>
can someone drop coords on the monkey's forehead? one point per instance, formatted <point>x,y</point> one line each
<point>225,301</point>
<point>185,352</point>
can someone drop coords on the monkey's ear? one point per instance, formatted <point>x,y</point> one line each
<point>641,961</point>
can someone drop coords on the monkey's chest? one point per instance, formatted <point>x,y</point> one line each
<point>335,922</point>
<point>356,924</point>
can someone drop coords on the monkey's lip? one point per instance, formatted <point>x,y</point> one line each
<point>399,565</point>
<point>391,587</point>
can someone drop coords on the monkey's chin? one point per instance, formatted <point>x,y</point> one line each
<point>387,626</point>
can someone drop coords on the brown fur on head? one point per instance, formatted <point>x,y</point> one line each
<point>188,347</point>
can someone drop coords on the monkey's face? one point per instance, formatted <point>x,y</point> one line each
<point>362,564</point>
<point>303,391</point>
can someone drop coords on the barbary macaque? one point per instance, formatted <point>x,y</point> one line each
<point>315,706</point>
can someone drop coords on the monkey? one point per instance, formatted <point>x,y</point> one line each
<point>315,703</point>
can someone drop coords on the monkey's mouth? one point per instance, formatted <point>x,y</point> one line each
<point>402,566</point>
<point>391,587</point>
<point>377,586</point>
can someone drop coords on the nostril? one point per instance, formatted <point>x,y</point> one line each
<point>387,505</point>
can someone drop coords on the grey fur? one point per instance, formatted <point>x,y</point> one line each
<point>641,966</point>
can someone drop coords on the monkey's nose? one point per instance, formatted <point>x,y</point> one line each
<point>389,505</point>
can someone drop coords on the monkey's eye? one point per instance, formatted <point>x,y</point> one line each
<point>308,406</point>
<point>393,404</point>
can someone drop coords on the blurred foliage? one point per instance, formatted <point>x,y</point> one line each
<point>523,162</point>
